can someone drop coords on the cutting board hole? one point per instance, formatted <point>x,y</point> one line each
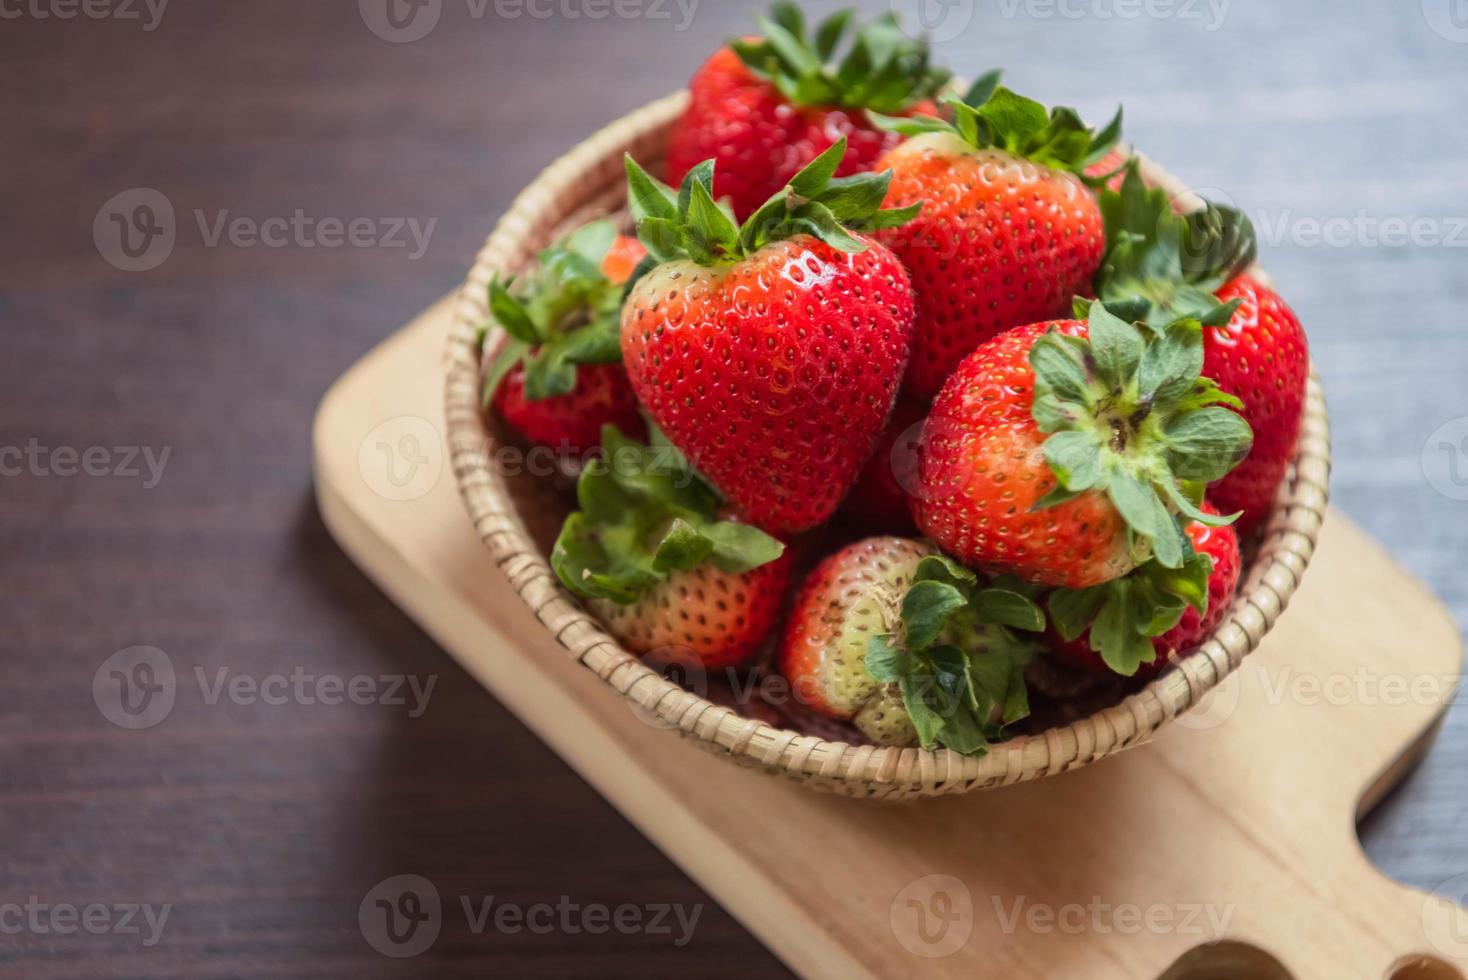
<point>1231,960</point>
<point>1424,968</point>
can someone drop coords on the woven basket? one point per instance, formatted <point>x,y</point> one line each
<point>589,181</point>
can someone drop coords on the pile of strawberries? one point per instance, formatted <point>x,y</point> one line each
<point>945,364</point>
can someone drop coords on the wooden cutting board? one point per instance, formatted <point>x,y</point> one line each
<point>1224,849</point>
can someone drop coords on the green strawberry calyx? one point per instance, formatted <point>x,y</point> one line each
<point>645,513</point>
<point>958,657</point>
<point>991,116</point>
<point>1129,415</point>
<point>1161,266</point>
<point>690,224</point>
<point>884,69</point>
<point>1125,614</point>
<point>567,313</point>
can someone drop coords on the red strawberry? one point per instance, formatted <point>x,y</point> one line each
<point>909,647</point>
<point>1109,168</point>
<point>1009,234</point>
<point>571,422</point>
<point>1113,163</point>
<point>1067,452</point>
<point>622,259</point>
<point>659,562</point>
<point>764,107</point>
<point>1261,355</point>
<point>878,502</point>
<point>555,377</point>
<point>720,617</point>
<point>1165,266</point>
<point>769,354</point>
<point>1203,596</point>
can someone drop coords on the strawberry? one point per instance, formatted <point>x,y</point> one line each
<point>878,502</point>
<point>765,107</point>
<point>1098,629</point>
<point>1009,235</point>
<point>1261,355</point>
<point>570,422</point>
<point>1069,452</point>
<point>654,555</point>
<point>622,259</point>
<point>1110,169</point>
<point>720,617</point>
<point>770,354</point>
<point>556,377</point>
<point>910,647</point>
<point>1161,266</point>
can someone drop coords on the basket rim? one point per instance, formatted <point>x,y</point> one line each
<point>589,175</point>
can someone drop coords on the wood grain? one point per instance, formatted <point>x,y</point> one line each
<point>265,825</point>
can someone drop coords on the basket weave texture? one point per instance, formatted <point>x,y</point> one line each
<point>589,181</point>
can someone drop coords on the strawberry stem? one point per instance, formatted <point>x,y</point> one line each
<point>1129,415</point>
<point>1125,614</point>
<point>644,514</point>
<point>885,69</point>
<point>1161,266</point>
<point>991,116</point>
<point>567,314</point>
<point>690,224</point>
<point>958,655</point>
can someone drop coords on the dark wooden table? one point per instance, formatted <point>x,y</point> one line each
<point>262,826</point>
